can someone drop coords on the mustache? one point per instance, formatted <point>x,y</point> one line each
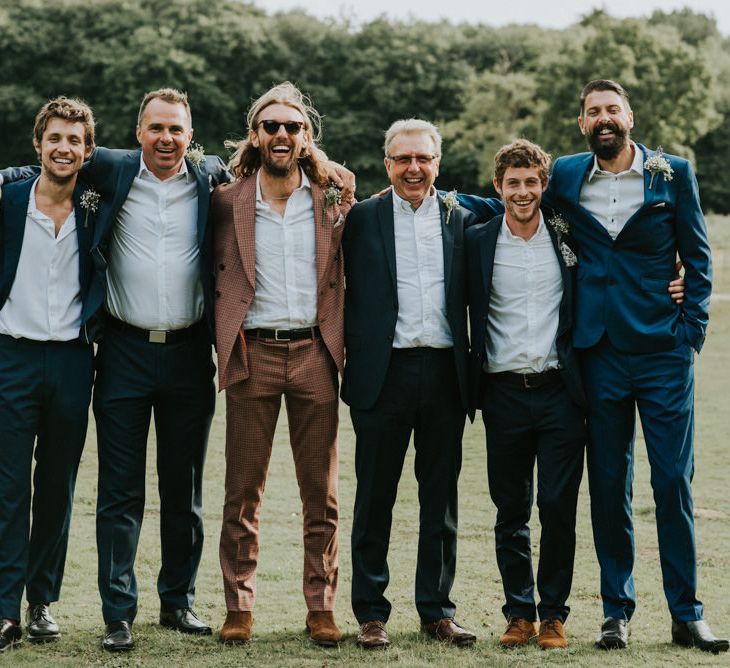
<point>610,125</point>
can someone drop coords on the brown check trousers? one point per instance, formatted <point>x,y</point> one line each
<point>304,373</point>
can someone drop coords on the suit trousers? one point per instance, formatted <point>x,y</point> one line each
<point>136,378</point>
<point>45,389</point>
<point>524,427</point>
<point>304,373</point>
<point>420,396</point>
<point>661,386</point>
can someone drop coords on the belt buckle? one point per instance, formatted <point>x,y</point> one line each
<point>157,336</point>
<point>278,338</point>
<point>526,381</point>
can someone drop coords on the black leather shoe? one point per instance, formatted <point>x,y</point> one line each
<point>697,634</point>
<point>185,620</point>
<point>118,637</point>
<point>614,634</point>
<point>41,627</point>
<point>10,634</point>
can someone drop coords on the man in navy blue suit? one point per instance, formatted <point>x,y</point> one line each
<point>633,211</point>
<point>46,365</point>
<point>524,376</point>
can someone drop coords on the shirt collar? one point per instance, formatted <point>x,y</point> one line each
<point>305,183</point>
<point>541,230</point>
<point>637,164</point>
<point>143,169</point>
<point>400,204</point>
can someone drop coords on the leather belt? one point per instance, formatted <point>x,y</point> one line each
<point>528,381</point>
<point>284,334</point>
<point>156,335</point>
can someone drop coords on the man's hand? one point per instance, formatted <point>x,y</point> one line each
<point>343,178</point>
<point>676,287</point>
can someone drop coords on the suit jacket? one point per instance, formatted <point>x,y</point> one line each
<point>371,296</point>
<point>481,242</point>
<point>13,211</point>
<point>622,283</point>
<point>233,218</point>
<point>112,172</point>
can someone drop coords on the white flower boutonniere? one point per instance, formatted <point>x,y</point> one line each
<point>89,202</point>
<point>658,164</point>
<point>559,224</point>
<point>569,257</point>
<point>332,197</point>
<point>450,202</point>
<point>195,153</point>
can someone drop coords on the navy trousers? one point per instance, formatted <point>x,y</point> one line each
<point>420,396</point>
<point>45,389</point>
<point>525,427</point>
<point>661,386</point>
<point>136,378</point>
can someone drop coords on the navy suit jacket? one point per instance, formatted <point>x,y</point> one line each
<point>112,172</point>
<point>622,283</point>
<point>481,243</point>
<point>13,212</point>
<point>371,296</point>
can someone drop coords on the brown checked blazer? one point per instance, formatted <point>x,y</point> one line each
<point>233,218</point>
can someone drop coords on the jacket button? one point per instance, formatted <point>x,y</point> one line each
<point>333,284</point>
<point>217,293</point>
<point>221,266</point>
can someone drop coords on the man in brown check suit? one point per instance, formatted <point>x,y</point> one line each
<point>279,331</point>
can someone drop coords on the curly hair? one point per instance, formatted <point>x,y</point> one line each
<point>69,109</point>
<point>521,153</point>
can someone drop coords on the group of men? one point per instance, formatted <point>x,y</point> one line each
<point>296,287</point>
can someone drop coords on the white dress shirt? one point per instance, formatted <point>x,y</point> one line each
<point>419,261</point>
<point>153,278</point>
<point>613,198</point>
<point>286,263</point>
<point>44,303</point>
<point>524,305</point>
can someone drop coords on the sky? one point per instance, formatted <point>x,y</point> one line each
<point>547,14</point>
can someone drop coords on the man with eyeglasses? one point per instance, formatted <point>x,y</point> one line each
<point>406,373</point>
<point>279,332</point>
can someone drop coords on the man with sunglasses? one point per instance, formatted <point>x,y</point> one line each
<point>279,332</point>
<point>406,372</point>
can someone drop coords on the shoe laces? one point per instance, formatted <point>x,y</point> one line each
<point>39,612</point>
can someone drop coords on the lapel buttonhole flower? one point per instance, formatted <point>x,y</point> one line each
<point>89,202</point>
<point>450,203</point>
<point>658,164</point>
<point>195,153</point>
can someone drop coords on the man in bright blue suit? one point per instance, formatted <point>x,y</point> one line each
<point>46,365</point>
<point>632,211</point>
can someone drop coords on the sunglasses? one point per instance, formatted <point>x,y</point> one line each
<point>272,127</point>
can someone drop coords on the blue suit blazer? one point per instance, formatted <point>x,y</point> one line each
<point>371,296</point>
<point>13,212</point>
<point>622,283</point>
<point>481,242</point>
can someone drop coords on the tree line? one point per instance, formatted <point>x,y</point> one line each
<point>483,86</point>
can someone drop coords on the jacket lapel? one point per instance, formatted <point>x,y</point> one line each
<point>127,173</point>
<point>564,320</point>
<point>85,221</point>
<point>244,223</point>
<point>15,212</point>
<point>447,236</point>
<point>386,223</point>
<point>487,249</point>
<point>323,224</point>
<point>202,181</point>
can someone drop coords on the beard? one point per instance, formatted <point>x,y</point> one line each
<point>607,150</point>
<point>277,169</point>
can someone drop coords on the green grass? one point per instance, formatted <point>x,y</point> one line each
<point>280,611</point>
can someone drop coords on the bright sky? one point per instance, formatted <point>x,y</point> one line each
<point>548,14</point>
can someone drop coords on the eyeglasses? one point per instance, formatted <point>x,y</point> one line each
<point>272,127</point>
<point>405,160</point>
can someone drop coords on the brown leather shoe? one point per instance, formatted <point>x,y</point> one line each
<point>552,635</point>
<point>373,635</point>
<point>322,629</point>
<point>236,630</point>
<point>448,631</point>
<point>519,631</point>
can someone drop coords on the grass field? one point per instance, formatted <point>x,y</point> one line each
<point>280,612</point>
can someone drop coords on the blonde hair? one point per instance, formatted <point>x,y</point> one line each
<point>412,126</point>
<point>246,158</point>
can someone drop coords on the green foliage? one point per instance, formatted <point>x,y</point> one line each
<point>482,85</point>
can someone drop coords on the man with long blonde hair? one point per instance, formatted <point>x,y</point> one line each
<point>279,332</point>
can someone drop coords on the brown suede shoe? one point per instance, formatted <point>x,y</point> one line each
<point>322,629</point>
<point>519,631</point>
<point>236,630</point>
<point>373,635</point>
<point>552,635</point>
<point>448,631</point>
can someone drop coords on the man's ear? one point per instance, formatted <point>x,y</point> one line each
<point>497,186</point>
